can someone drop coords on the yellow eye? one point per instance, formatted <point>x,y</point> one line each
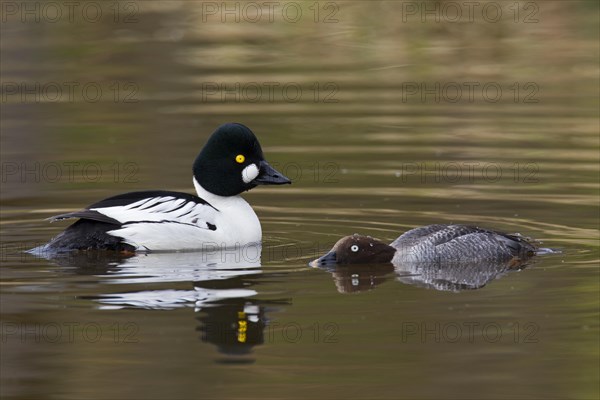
<point>240,158</point>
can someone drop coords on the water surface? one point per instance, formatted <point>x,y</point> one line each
<point>363,112</point>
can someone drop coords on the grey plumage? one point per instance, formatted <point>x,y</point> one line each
<point>459,244</point>
<point>442,257</point>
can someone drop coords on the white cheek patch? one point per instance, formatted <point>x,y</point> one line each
<point>249,173</point>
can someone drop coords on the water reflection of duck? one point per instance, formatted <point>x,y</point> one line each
<point>236,325</point>
<point>455,277</point>
<point>443,257</point>
<point>359,278</point>
<point>220,290</point>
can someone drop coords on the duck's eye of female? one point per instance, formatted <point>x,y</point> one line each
<point>240,158</point>
<point>354,248</point>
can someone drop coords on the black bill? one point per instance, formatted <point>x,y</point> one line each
<point>268,175</point>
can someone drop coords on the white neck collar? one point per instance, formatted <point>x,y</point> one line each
<point>211,197</point>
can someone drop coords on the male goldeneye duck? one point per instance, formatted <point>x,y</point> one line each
<point>442,244</point>
<point>230,163</point>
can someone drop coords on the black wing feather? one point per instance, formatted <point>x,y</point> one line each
<point>125,199</point>
<point>86,214</point>
<point>131,197</point>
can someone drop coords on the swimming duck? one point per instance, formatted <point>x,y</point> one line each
<point>431,244</point>
<point>230,163</point>
<point>440,275</point>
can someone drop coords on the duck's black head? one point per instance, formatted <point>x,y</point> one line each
<point>357,249</point>
<point>232,162</point>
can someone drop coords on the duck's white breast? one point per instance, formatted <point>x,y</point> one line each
<point>223,222</point>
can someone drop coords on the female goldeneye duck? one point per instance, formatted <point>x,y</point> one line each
<point>432,243</point>
<point>230,163</point>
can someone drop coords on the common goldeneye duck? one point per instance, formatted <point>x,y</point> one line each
<point>432,244</point>
<point>230,163</point>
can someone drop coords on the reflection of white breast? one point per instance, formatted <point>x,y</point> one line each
<point>171,299</point>
<point>197,267</point>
